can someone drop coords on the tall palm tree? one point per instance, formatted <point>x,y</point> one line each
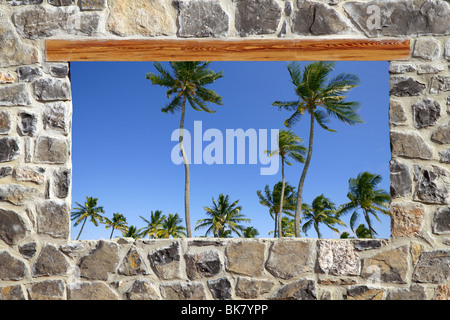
<point>365,195</point>
<point>224,218</point>
<point>171,227</point>
<point>118,222</point>
<point>154,225</point>
<point>316,90</point>
<point>289,145</point>
<point>89,210</point>
<point>131,232</point>
<point>186,84</point>
<point>322,211</point>
<point>272,200</point>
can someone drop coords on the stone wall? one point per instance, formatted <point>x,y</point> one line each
<point>37,258</point>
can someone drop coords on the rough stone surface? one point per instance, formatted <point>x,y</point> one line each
<point>397,114</point>
<point>100,262</point>
<point>338,258</point>
<point>203,264</point>
<point>47,290</point>
<point>442,134</point>
<point>50,150</point>
<point>62,179</point>
<point>407,219</point>
<point>27,124</point>
<point>401,181</point>
<point>14,52</point>
<point>245,258</point>
<point>257,17</point>
<point>50,262</point>
<point>14,95</point>
<point>12,293</point>
<point>53,218</point>
<point>303,289</point>
<point>12,227</point>
<point>5,122</point>
<point>17,194</point>
<point>410,145</point>
<point>249,288</point>
<point>202,19</point>
<point>166,262</point>
<point>92,5</point>
<point>220,288</point>
<point>387,266</point>
<point>400,17</point>
<point>314,18</point>
<point>50,89</point>
<point>61,3</point>
<point>427,49</point>
<point>132,264</point>
<point>440,84</point>
<point>441,221</point>
<point>400,68</point>
<point>29,174</point>
<point>426,113</point>
<point>28,250</point>
<point>29,73</point>
<point>429,69</point>
<point>443,292</point>
<point>11,268</point>
<point>92,291</point>
<point>288,259</point>
<point>56,117</point>
<point>41,22</point>
<point>183,291</point>
<point>5,172</point>
<point>433,186</point>
<point>433,267</point>
<point>363,293</point>
<point>142,290</point>
<point>444,156</point>
<point>139,17</point>
<point>7,77</point>
<point>405,87</point>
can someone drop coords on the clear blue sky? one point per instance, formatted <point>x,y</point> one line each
<point>121,143</point>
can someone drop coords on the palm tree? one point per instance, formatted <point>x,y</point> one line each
<point>224,218</point>
<point>89,210</point>
<point>315,89</point>
<point>363,232</point>
<point>250,232</point>
<point>118,222</point>
<point>365,195</point>
<point>289,145</point>
<point>154,226</point>
<point>131,232</point>
<point>322,211</point>
<point>171,227</point>
<point>272,200</point>
<point>187,84</point>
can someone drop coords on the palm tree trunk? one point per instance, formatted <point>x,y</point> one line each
<point>110,237</point>
<point>298,208</point>
<point>186,170</point>
<point>316,226</point>
<point>82,226</point>
<point>280,231</point>
<point>366,215</point>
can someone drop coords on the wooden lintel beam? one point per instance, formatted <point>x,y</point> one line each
<point>228,50</point>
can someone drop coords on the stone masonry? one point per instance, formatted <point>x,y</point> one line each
<point>39,261</point>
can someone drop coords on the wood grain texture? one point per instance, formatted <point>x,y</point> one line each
<point>228,50</point>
